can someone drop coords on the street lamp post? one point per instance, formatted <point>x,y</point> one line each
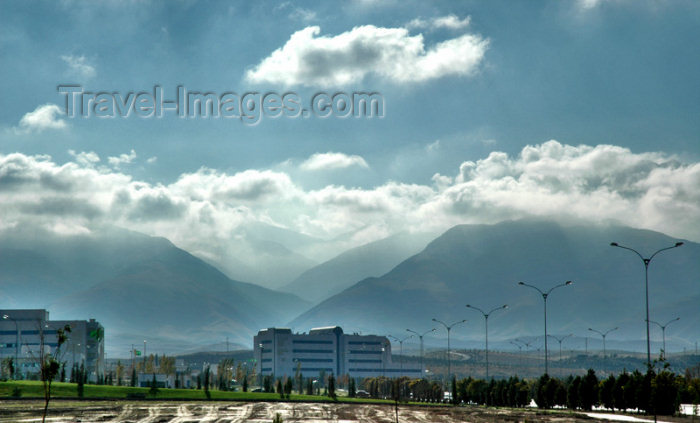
<point>449,328</point>
<point>561,339</point>
<point>7,317</point>
<point>663,331</point>
<point>400,341</point>
<point>646,262</point>
<point>420,336</point>
<point>544,297</point>
<point>520,353</point>
<point>486,327</point>
<point>603,334</point>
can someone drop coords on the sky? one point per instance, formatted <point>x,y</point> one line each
<point>490,111</point>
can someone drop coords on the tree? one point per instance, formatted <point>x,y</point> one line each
<point>621,396</point>
<point>81,380</point>
<point>664,393</point>
<point>245,383</point>
<point>588,390</point>
<point>154,386</point>
<point>49,363</point>
<point>133,376</point>
<point>207,375</point>
<point>120,372</point>
<point>309,386</point>
<point>166,365</point>
<point>280,390</point>
<point>288,387</point>
<point>454,390</point>
<point>573,401</point>
<point>331,386</point>
<point>352,391</point>
<point>606,393</point>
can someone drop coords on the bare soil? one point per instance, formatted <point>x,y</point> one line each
<point>259,412</point>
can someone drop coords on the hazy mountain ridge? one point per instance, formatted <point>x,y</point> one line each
<point>139,287</point>
<point>372,259</point>
<point>481,265</point>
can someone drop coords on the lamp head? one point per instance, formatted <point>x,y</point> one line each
<point>678,244</point>
<point>614,244</point>
<point>590,329</point>
<point>469,305</point>
<point>434,319</point>
<point>521,283</point>
<point>5,316</point>
<point>505,305</point>
<point>568,283</point>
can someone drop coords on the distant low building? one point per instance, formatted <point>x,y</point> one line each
<point>20,338</point>
<point>280,352</point>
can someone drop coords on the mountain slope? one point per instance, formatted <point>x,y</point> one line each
<point>372,259</point>
<point>138,287</point>
<point>481,265</point>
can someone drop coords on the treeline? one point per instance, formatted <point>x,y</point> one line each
<point>653,393</point>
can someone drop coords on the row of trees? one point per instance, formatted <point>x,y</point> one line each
<point>652,392</point>
<point>657,393</point>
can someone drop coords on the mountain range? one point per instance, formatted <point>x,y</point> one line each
<point>143,287</point>
<point>481,265</point>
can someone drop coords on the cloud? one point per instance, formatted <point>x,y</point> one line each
<point>452,22</point>
<point>79,67</point>
<point>389,53</point>
<point>327,161</point>
<point>44,117</point>
<point>207,211</point>
<point>86,159</point>
<point>122,159</point>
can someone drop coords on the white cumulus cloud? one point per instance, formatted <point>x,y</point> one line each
<point>46,116</point>
<point>122,159</point>
<point>326,161</point>
<point>389,53</point>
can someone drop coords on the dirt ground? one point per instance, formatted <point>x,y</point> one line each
<point>259,412</point>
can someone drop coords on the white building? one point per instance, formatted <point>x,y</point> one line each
<point>20,338</point>
<point>279,352</point>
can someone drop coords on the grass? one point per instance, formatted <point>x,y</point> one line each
<point>34,389</point>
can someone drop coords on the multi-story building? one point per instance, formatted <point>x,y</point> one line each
<point>280,352</point>
<point>21,333</point>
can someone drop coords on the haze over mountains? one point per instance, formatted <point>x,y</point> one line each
<point>341,272</point>
<point>481,265</point>
<point>138,287</point>
<point>142,287</point>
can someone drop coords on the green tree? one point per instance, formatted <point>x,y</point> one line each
<point>133,376</point>
<point>244,385</point>
<point>621,398</point>
<point>664,393</point>
<point>331,386</point>
<point>207,381</point>
<point>572,394</point>
<point>288,386</point>
<point>309,386</point>
<point>154,387</point>
<point>352,391</point>
<point>280,389</point>
<point>606,393</point>
<point>588,390</point>
<point>80,380</point>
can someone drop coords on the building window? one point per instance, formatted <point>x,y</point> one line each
<point>313,351</point>
<point>365,352</point>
